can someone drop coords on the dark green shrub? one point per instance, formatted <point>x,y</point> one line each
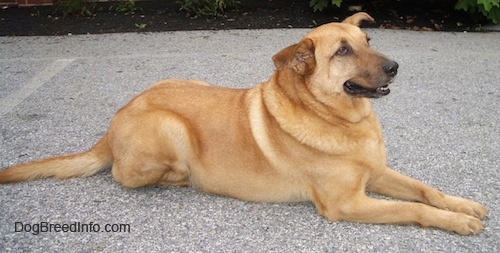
<point>488,8</point>
<point>127,6</point>
<point>319,5</point>
<point>208,7</point>
<point>75,7</point>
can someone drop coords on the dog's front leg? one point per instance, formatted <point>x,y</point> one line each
<point>454,213</point>
<point>347,200</point>
<point>393,184</point>
<point>370,210</point>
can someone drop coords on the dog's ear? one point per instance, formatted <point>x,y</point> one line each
<point>357,18</point>
<point>299,57</point>
<point>283,57</point>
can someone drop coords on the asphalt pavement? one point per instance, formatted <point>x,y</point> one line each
<point>57,95</point>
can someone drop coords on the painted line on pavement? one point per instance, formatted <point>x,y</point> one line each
<point>15,98</point>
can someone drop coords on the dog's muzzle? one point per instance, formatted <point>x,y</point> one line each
<point>390,68</point>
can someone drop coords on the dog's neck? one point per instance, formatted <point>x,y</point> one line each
<point>339,109</point>
<point>297,116</point>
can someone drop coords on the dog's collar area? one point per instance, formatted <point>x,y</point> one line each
<point>358,91</point>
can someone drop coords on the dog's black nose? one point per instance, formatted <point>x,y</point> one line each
<point>391,68</point>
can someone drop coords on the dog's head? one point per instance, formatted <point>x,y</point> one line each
<point>336,58</point>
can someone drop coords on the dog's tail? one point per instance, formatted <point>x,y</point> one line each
<point>83,164</point>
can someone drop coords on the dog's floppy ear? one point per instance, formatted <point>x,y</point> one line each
<point>357,18</point>
<point>299,57</point>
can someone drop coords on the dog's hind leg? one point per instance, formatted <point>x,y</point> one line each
<point>149,173</point>
<point>150,149</point>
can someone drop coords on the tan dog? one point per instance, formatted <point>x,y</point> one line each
<point>309,133</point>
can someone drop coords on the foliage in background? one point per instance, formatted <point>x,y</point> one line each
<point>208,7</point>
<point>75,7</point>
<point>88,7</point>
<point>489,8</point>
<point>127,6</point>
<point>319,5</point>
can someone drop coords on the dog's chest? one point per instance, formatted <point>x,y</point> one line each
<point>366,145</point>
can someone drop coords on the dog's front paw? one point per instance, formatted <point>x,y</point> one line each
<point>466,225</point>
<point>469,207</point>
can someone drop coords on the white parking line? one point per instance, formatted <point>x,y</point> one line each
<point>15,98</point>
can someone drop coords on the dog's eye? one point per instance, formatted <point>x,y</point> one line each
<point>343,51</point>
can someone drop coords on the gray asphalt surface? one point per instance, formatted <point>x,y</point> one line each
<point>57,95</point>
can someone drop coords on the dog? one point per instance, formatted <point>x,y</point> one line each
<point>307,134</point>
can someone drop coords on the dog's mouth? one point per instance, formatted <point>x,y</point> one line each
<point>356,90</point>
